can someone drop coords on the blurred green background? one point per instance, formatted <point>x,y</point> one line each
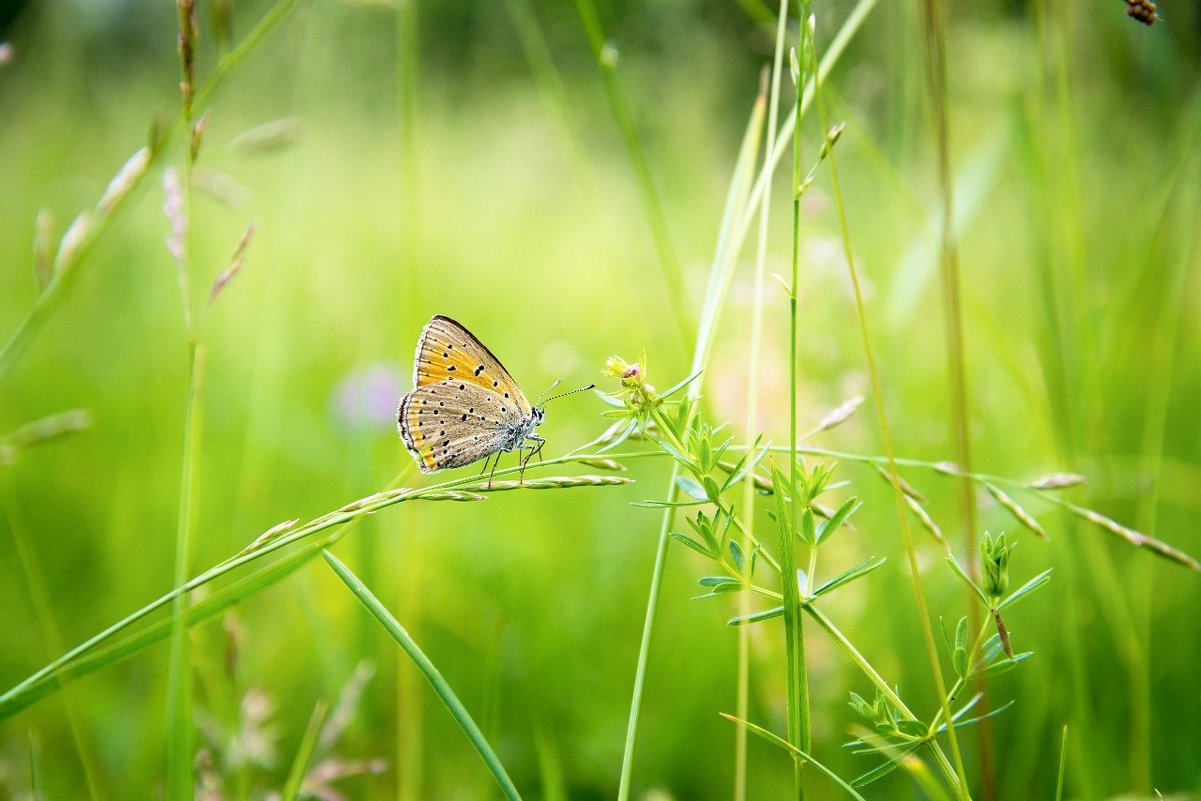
<point>503,195</point>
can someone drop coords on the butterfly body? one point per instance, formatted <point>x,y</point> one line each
<point>464,405</point>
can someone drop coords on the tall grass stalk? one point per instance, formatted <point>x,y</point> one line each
<point>410,700</point>
<point>607,57</point>
<point>1053,27</point>
<point>754,357</point>
<point>1162,364</point>
<point>180,752</point>
<point>429,671</point>
<point>796,680</point>
<point>740,204</point>
<point>886,437</point>
<point>934,27</point>
<point>721,270</point>
<point>1077,396</point>
<point>111,207</point>
<point>42,681</point>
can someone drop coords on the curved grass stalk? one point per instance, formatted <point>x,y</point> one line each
<point>886,436</point>
<point>754,356</point>
<point>466,488</point>
<point>431,673</point>
<point>606,60</point>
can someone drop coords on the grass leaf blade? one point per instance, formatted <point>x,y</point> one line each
<point>429,671</point>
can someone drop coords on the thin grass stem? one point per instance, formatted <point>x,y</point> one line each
<point>719,280</point>
<point>429,671</point>
<point>107,213</point>
<point>886,436</point>
<point>754,357</point>
<point>797,679</point>
<point>936,64</point>
<point>606,59</point>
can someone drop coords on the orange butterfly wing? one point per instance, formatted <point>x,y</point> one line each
<point>447,351</point>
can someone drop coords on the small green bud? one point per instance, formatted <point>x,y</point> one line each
<point>994,563</point>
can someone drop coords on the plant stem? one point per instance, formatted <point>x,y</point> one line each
<point>742,704</point>
<point>886,436</point>
<point>64,278</point>
<point>797,679</point>
<point>934,28</point>
<point>606,60</point>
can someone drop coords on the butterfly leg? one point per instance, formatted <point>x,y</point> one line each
<point>529,452</point>
<point>495,462</point>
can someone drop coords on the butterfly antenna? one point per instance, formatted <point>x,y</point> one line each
<point>572,392</point>
<point>548,389</point>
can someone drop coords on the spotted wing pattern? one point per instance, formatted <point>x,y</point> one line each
<point>447,351</point>
<point>453,423</point>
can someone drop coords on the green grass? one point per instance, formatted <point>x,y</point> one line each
<point>473,161</point>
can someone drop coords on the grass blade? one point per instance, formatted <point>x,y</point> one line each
<point>304,755</point>
<point>429,671</point>
<point>794,751</point>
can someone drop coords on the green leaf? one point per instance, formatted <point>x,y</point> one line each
<point>969,721</point>
<point>704,455</point>
<point>720,450</point>
<point>739,471</point>
<point>1006,664</point>
<point>1033,584</point>
<point>840,516</point>
<point>808,527</point>
<point>432,674</point>
<point>885,768</point>
<point>304,755</point>
<point>675,453</point>
<point>666,504</point>
<point>691,488</point>
<point>959,652</point>
<point>736,555</point>
<point>620,438</point>
<point>677,387</point>
<point>755,617</point>
<point>859,570</point>
<point>712,491</point>
<point>911,728</point>
<point>90,661</point>
<point>719,589</point>
<point>955,566</point>
<point>610,400</point>
<point>693,544</point>
<point>717,581</point>
<point>992,649</point>
<point>780,742</point>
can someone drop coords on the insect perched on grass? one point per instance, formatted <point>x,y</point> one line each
<point>464,405</point>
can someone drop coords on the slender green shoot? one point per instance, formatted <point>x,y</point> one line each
<point>431,673</point>
<point>754,356</point>
<point>607,57</point>
<point>304,755</point>
<point>1063,763</point>
<point>886,437</point>
<point>798,754</point>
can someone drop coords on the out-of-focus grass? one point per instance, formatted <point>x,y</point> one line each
<point>530,603</point>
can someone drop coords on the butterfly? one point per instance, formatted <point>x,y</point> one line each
<point>464,405</point>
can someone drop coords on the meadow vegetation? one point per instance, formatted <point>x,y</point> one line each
<point>893,298</point>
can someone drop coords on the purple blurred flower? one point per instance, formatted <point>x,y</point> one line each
<point>367,397</point>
